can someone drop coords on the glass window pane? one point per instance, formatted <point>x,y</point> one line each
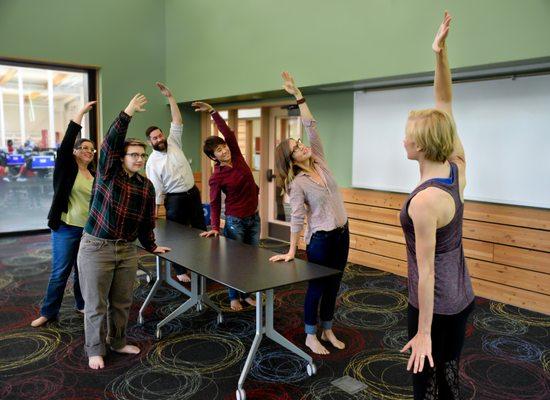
<point>36,106</point>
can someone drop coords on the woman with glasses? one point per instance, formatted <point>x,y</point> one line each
<point>72,182</point>
<point>303,173</point>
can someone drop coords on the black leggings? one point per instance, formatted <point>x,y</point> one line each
<point>448,332</point>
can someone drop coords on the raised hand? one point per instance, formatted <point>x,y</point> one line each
<point>163,89</point>
<point>84,110</point>
<point>442,32</point>
<point>201,106</point>
<point>87,107</point>
<point>136,104</point>
<point>289,86</point>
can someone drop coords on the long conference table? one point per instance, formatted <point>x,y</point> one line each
<point>240,266</point>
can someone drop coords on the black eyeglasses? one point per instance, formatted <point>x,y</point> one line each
<point>93,151</point>
<point>136,156</point>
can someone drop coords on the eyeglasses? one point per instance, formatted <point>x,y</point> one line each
<point>137,156</point>
<point>298,146</point>
<point>93,151</point>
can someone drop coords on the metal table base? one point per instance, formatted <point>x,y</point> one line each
<point>197,295</point>
<point>266,328</point>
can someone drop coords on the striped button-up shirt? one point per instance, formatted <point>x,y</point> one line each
<point>123,206</point>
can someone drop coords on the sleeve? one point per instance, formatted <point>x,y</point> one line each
<point>176,131</point>
<point>65,150</point>
<point>154,177</point>
<point>146,235</point>
<point>297,207</point>
<point>215,202</point>
<point>228,134</point>
<point>113,145</point>
<point>314,140</point>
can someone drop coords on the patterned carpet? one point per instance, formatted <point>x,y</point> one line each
<point>506,356</point>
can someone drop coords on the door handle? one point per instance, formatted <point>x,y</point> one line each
<point>270,175</point>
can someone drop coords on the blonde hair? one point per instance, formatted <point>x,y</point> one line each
<point>434,132</point>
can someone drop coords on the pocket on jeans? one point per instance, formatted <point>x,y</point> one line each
<point>91,244</point>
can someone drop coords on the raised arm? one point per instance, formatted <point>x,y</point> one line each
<point>174,109</point>
<point>443,84</point>
<point>307,118</point>
<point>177,121</point>
<point>225,130</point>
<point>65,150</point>
<point>113,144</point>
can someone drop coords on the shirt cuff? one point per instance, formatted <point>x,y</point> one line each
<point>124,117</point>
<point>74,124</point>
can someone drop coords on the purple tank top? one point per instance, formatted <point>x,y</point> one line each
<point>453,288</point>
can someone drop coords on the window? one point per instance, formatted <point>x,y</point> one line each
<point>36,104</point>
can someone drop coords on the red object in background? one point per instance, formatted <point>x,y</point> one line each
<point>257,145</point>
<point>44,140</point>
<point>11,149</point>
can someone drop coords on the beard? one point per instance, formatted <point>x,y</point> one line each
<point>161,146</point>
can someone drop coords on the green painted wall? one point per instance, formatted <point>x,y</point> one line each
<point>220,48</point>
<point>118,36</point>
<point>334,114</point>
<point>217,48</point>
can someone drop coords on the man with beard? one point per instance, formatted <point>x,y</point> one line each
<point>172,176</point>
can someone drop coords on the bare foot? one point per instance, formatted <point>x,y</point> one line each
<point>184,278</point>
<point>128,349</point>
<point>250,301</point>
<point>39,321</point>
<point>236,305</point>
<point>328,336</point>
<point>96,362</point>
<point>313,343</point>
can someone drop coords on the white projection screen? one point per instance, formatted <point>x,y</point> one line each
<point>504,125</point>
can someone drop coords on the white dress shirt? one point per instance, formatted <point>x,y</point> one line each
<point>169,170</point>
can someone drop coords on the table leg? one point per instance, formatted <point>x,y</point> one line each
<point>254,348</point>
<point>151,293</point>
<point>193,299</point>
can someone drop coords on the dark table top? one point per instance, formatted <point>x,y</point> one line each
<point>243,267</point>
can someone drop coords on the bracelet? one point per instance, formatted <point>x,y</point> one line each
<point>212,111</point>
<point>301,101</point>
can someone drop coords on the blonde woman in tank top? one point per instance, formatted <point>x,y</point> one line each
<point>440,291</point>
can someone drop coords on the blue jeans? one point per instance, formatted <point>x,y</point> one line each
<point>245,230</point>
<point>65,243</point>
<point>331,250</point>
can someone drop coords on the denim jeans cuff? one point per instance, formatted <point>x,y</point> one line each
<point>325,325</point>
<point>310,329</point>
